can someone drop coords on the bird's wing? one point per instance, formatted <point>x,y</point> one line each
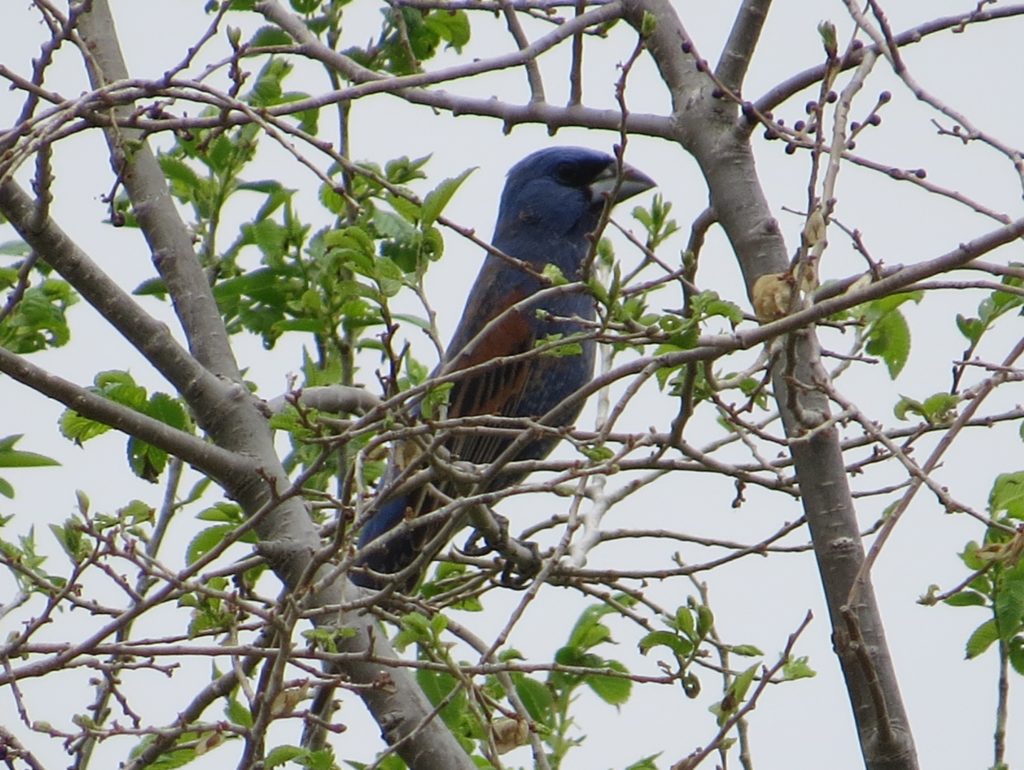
<point>495,389</point>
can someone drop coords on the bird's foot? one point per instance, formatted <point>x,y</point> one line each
<point>488,536</point>
<point>522,559</point>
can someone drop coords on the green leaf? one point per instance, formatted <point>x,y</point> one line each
<point>684,621</point>
<point>223,512</point>
<point>176,756</point>
<point>184,182</point>
<point>1009,603</point>
<point>589,631</point>
<point>279,755</point>
<point>403,170</point>
<point>741,684</point>
<point>889,337</point>
<point>269,236</point>
<point>38,321</point>
<point>560,351</point>
<point>937,409</point>
<point>391,225</point>
<point>707,304</point>
<point>210,538</point>
<point>648,24</point>
<point>940,408</point>
<point>389,276</point>
<point>14,458</point>
<point>971,558</point>
<point>829,39</point>
<point>204,542</point>
<point>596,454</point>
<point>705,620</point>
<point>982,638</point>
<point>536,697</point>
<point>613,690</point>
<point>267,89</point>
<point>647,763</point>
<point>15,249</point>
<point>146,461</point>
<point>971,328</point>
<point>72,539</point>
<point>405,208</point>
<point>1017,654</point>
<point>415,629</point>
<point>237,713</point>
<point>436,200</point>
<point>450,26</point>
<point>680,646</point>
<point>79,429</point>
<point>151,287</point>
<point>880,307</point>
<point>437,686</point>
<point>746,650</point>
<point>121,387</point>
<point>966,598</point>
<point>436,398</point>
<point>554,274</point>
<point>269,36</point>
<point>798,668</point>
<point>1007,495</point>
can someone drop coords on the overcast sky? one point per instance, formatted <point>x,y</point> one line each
<point>801,726</point>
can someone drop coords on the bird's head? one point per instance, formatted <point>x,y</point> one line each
<point>559,192</point>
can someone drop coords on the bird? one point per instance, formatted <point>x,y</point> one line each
<point>551,204</point>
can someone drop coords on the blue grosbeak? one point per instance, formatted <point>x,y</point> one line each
<point>551,203</point>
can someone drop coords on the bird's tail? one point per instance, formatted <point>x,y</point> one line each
<point>382,562</point>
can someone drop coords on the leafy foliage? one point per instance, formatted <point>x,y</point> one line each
<point>39,319</point>
<point>18,458</point>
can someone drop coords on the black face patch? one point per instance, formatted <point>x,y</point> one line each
<point>579,173</point>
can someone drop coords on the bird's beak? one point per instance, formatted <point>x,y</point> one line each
<point>633,183</point>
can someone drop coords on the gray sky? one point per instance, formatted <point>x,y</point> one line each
<point>799,726</point>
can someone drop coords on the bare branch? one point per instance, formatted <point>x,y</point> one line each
<point>739,48</point>
<point>797,83</point>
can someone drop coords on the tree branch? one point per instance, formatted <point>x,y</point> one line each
<point>206,457</point>
<point>236,423</point>
<point>739,48</point>
<point>532,112</point>
<point>798,82</point>
<point>706,129</point>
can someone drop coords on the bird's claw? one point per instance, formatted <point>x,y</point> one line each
<point>521,559</point>
<point>520,573</point>
<point>481,543</point>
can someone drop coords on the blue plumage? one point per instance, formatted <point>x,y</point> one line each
<point>551,202</point>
